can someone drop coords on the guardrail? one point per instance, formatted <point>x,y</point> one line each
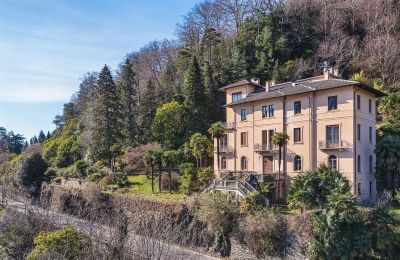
<point>229,125</point>
<point>265,147</point>
<point>224,149</point>
<point>323,145</point>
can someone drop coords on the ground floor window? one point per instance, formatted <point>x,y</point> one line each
<point>332,162</point>
<point>243,163</point>
<point>223,163</point>
<point>297,163</point>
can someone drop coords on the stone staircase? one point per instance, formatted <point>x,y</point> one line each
<point>238,185</point>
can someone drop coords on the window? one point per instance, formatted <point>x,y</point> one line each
<point>358,132</point>
<point>236,96</point>
<point>332,162</point>
<point>223,142</point>
<point>243,139</point>
<point>370,190</point>
<point>332,135</point>
<point>243,114</point>
<point>358,163</point>
<point>297,135</point>
<point>264,111</point>
<point>297,107</point>
<point>268,111</point>
<point>271,109</point>
<point>223,163</point>
<point>332,103</point>
<point>370,164</point>
<point>358,102</point>
<point>297,163</point>
<point>370,134</point>
<point>243,163</point>
<point>369,105</point>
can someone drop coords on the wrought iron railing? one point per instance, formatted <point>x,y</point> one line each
<point>324,145</point>
<point>265,147</point>
<point>224,149</point>
<point>229,125</point>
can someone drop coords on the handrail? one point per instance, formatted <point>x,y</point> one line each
<point>229,125</point>
<point>342,144</point>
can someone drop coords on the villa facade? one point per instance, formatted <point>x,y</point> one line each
<point>328,120</point>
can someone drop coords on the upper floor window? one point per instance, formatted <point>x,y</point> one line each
<point>370,134</point>
<point>332,162</point>
<point>243,114</point>
<point>332,134</point>
<point>358,132</point>
<point>297,163</point>
<point>243,139</point>
<point>297,107</point>
<point>358,163</point>
<point>369,105</point>
<point>297,135</point>
<point>243,163</point>
<point>223,142</point>
<point>370,164</point>
<point>268,111</point>
<point>223,163</point>
<point>332,102</point>
<point>358,102</point>
<point>236,96</point>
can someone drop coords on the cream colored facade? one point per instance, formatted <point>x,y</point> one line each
<point>323,134</point>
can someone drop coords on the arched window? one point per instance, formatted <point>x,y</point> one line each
<point>358,163</point>
<point>332,162</point>
<point>243,163</point>
<point>223,163</point>
<point>297,163</point>
<point>370,164</point>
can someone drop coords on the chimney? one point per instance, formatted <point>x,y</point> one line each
<point>268,85</point>
<point>255,81</point>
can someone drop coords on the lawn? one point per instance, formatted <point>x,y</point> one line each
<point>140,186</point>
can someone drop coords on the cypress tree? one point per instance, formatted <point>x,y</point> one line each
<point>42,137</point>
<point>147,110</point>
<point>48,135</point>
<point>106,117</point>
<point>214,106</point>
<point>195,98</point>
<point>128,99</point>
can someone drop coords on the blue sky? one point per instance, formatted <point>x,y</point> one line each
<point>46,46</point>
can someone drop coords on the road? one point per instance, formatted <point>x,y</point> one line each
<point>142,246</point>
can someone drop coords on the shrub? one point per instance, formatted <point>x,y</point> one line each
<point>264,232</point>
<point>205,176</point>
<point>50,174</point>
<point>119,179</point>
<point>94,177</point>
<point>133,158</point>
<point>67,242</point>
<point>107,180</point>
<point>188,181</point>
<point>175,181</point>
<point>253,202</point>
<point>81,167</point>
<point>31,170</point>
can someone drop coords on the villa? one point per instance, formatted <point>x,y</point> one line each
<point>328,120</point>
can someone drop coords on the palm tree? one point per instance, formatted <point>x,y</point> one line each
<point>216,131</point>
<point>170,158</point>
<point>279,139</point>
<point>158,160</point>
<point>149,160</point>
<point>200,145</point>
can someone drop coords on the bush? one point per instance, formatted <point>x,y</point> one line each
<point>119,179</point>
<point>253,202</point>
<point>264,233</point>
<point>133,158</point>
<point>107,180</point>
<point>50,174</point>
<point>31,170</point>
<point>175,181</point>
<point>81,167</point>
<point>67,242</point>
<point>205,176</point>
<point>94,177</point>
<point>188,181</point>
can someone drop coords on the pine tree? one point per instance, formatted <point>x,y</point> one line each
<point>215,111</point>
<point>48,135</point>
<point>128,98</point>
<point>147,110</point>
<point>34,140</point>
<point>106,118</point>
<point>195,98</point>
<point>42,137</point>
<point>15,143</point>
<point>26,145</point>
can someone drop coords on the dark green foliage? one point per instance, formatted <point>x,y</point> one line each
<point>146,112</point>
<point>15,143</point>
<point>81,167</point>
<point>119,179</point>
<point>189,178</point>
<point>127,92</point>
<point>31,170</point>
<point>42,137</point>
<point>106,118</point>
<point>388,162</point>
<point>205,176</point>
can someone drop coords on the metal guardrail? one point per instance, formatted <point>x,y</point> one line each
<point>265,147</point>
<point>323,145</point>
<point>224,149</point>
<point>229,125</point>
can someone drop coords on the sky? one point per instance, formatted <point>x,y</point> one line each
<point>46,46</point>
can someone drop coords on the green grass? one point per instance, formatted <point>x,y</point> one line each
<point>140,186</point>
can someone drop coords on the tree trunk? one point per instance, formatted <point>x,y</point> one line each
<point>159,177</point>
<point>218,161</point>
<point>279,173</point>
<point>170,177</point>
<point>152,178</point>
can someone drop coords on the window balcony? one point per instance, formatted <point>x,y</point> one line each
<point>224,149</point>
<point>266,148</point>
<point>229,125</point>
<point>341,145</point>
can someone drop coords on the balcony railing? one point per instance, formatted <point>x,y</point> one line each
<point>265,148</point>
<point>341,145</point>
<point>229,125</point>
<point>224,149</point>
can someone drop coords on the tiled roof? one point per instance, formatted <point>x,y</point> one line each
<point>302,86</point>
<point>239,83</point>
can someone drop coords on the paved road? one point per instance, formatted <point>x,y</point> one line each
<point>145,247</point>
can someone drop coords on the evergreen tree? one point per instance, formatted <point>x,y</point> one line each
<point>214,105</point>
<point>128,98</point>
<point>26,145</point>
<point>42,137</point>
<point>33,140</point>
<point>105,119</point>
<point>3,140</point>
<point>146,112</point>
<point>69,112</point>
<point>48,135</point>
<point>15,143</point>
<point>195,98</point>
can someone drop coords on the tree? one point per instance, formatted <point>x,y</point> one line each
<point>66,243</point>
<point>128,97</point>
<point>15,143</point>
<point>106,118</point>
<point>30,171</point>
<point>195,99</point>
<point>48,135</point>
<point>42,137</point>
<point>189,178</point>
<point>168,126</point>
<point>388,162</point>
<point>146,112</point>
<point>217,132</point>
<point>170,158</point>
<point>280,139</point>
<point>200,145</point>
<point>312,188</point>
<point>150,159</point>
